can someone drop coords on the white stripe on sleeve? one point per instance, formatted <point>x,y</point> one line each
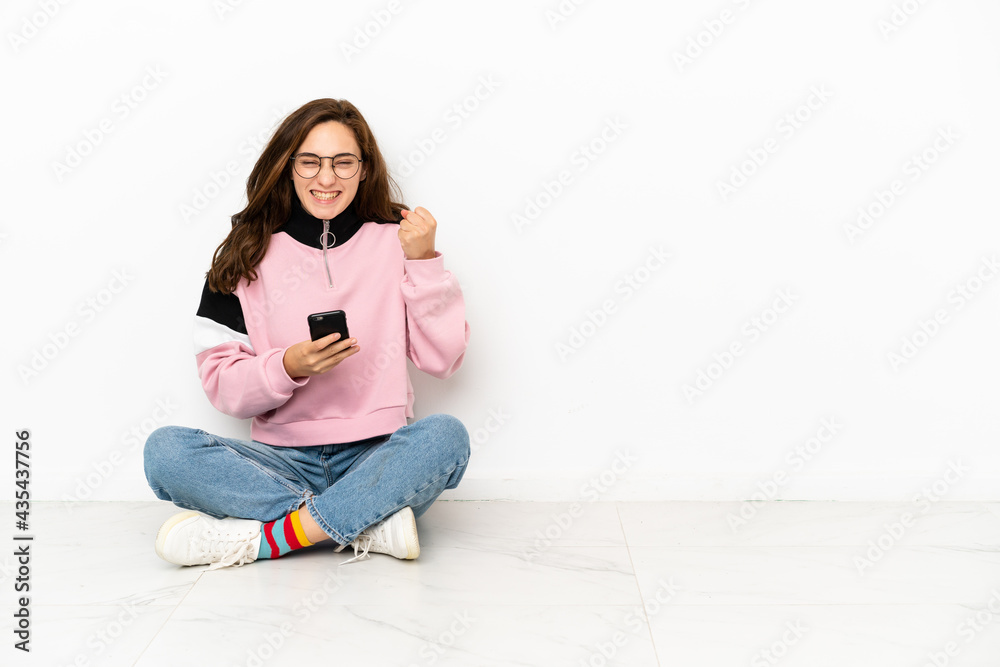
<point>209,333</point>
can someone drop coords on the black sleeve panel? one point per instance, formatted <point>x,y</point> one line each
<point>222,308</point>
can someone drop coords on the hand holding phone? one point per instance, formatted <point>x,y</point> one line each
<point>305,359</point>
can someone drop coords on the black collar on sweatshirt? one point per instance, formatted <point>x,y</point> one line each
<point>307,229</point>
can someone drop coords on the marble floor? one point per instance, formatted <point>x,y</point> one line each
<point>519,583</point>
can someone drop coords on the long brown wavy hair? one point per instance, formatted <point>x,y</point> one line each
<point>270,191</point>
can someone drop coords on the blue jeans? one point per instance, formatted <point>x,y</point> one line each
<point>345,487</point>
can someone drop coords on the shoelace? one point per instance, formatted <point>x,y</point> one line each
<point>364,542</point>
<point>229,551</point>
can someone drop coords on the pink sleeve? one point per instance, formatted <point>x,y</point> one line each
<point>435,316</point>
<point>243,384</point>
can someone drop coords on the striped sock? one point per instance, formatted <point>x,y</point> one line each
<point>282,535</point>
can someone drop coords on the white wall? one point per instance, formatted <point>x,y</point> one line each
<point>228,71</point>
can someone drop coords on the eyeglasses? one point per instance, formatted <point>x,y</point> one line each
<point>307,165</point>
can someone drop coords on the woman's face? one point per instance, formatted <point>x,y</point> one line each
<point>327,140</point>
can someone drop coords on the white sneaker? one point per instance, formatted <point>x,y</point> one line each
<point>193,538</point>
<point>396,536</point>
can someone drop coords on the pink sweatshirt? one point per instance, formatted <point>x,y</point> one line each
<point>396,308</point>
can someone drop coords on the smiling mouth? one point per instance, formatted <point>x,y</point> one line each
<point>325,196</point>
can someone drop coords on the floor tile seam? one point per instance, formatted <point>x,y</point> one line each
<point>165,621</point>
<point>642,599</point>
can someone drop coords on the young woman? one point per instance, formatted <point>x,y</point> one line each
<point>332,456</point>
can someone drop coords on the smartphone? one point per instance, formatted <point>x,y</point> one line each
<point>324,324</point>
